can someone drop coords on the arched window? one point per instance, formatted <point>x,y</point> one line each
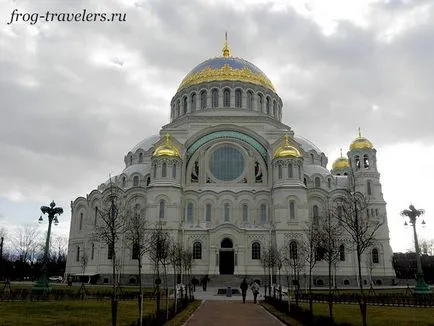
<point>293,250</point>
<point>376,212</point>
<point>148,180</point>
<point>260,102</point>
<point>342,252</point>
<point>226,212</point>
<point>299,173</point>
<point>279,170</point>
<point>208,212</point>
<point>164,170</point>
<point>136,181</point>
<point>124,181</point>
<point>174,171</point>
<point>92,252</point>
<point>197,250</point>
<point>110,251</point>
<point>263,213</point>
<point>268,105</point>
<point>365,161</point>
<point>193,102</point>
<point>245,213</point>
<point>249,100</point>
<point>203,100</point>
<point>291,210</point>
<point>226,98</point>
<point>140,157</point>
<point>312,158</point>
<point>184,105</point>
<point>155,171</point>
<point>161,208</point>
<point>375,258</point>
<point>256,250</point>
<point>135,251</point>
<point>80,225</point>
<point>214,98</point>
<point>77,256</point>
<point>290,171</point>
<point>357,161</point>
<point>315,214</point>
<point>131,159</point>
<point>317,182</point>
<point>96,216</point>
<point>238,98</point>
<point>368,187</point>
<point>190,212</point>
<point>329,183</point>
<point>178,108</point>
<point>274,109</point>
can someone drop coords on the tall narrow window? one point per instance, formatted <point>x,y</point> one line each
<point>368,186</point>
<point>263,213</point>
<point>375,258</point>
<point>226,212</point>
<point>365,161</point>
<point>136,251</point>
<point>208,212</point>
<point>136,181</point>
<point>268,105</point>
<point>193,102</point>
<point>203,100</point>
<point>92,252</point>
<point>174,171</point>
<point>77,256</point>
<point>357,161</point>
<point>155,171</point>
<point>184,105</point>
<point>80,226</point>
<point>110,252</point>
<point>290,171</point>
<point>190,212</point>
<point>299,172</point>
<point>197,250</point>
<point>238,98</point>
<point>291,210</point>
<point>214,98</point>
<point>164,170</point>
<point>317,182</point>
<point>178,108</point>
<point>315,214</point>
<point>279,172</point>
<point>275,109</point>
<point>256,250</point>
<point>140,157</point>
<point>260,102</point>
<point>293,250</point>
<point>226,98</point>
<point>312,159</point>
<point>245,213</point>
<point>124,181</point>
<point>161,208</point>
<point>249,100</point>
<point>329,183</point>
<point>96,216</point>
<point>342,252</point>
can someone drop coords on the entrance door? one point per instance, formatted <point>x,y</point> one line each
<point>226,263</point>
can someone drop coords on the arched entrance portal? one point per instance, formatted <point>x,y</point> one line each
<point>226,263</point>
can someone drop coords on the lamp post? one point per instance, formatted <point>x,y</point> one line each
<point>412,213</point>
<point>52,212</point>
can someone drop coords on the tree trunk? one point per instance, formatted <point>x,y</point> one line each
<point>330,290</point>
<point>362,302</point>
<point>114,296</point>
<point>310,292</point>
<point>140,291</point>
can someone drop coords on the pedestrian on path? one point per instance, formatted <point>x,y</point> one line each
<point>244,286</point>
<point>204,282</point>
<point>255,290</point>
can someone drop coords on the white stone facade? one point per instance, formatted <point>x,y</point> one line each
<point>227,186</point>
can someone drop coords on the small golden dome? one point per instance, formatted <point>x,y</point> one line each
<point>167,149</point>
<point>286,150</point>
<point>360,143</point>
<point>341,163</point>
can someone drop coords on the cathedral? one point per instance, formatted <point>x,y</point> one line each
<point>226,179</point>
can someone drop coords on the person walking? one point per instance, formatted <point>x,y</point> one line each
<point>255,290</point>
<point>204,282</point>
<point>244,286</point>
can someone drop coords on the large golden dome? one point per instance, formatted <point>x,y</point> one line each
<point>341,163</point>
<point>167,149</point>
<point>360,143</point>
<point>286,150</point>
<point>226,67</point>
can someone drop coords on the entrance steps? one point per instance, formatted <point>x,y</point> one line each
<point>223,281</point>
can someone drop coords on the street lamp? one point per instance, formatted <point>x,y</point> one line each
<point>412,213</point>
<point>52,212</point>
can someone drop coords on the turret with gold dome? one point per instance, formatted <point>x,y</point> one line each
<point>286,150</point>
<point>341,165</point>
<point>167,149</point>
<point>361,143</point>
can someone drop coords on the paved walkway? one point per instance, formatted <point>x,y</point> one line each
<point>231,313</point>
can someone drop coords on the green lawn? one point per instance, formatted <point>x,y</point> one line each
<point>88,312</point>
<point>377,315</point>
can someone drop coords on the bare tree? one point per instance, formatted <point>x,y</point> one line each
<point>108,231</point>
<point>175,257</point>
<point>330,234</point>
<point>27,242</point>
<point>84,260</point>
<point>350,208</point>
<point>137,238</point>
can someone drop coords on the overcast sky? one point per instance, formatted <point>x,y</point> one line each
<point>75,97</point>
